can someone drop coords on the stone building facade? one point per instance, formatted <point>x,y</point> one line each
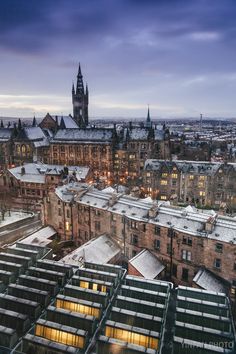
<point>183,239</point>
<point>196,182</point>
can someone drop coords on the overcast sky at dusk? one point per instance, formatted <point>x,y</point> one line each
<point>179,56</point>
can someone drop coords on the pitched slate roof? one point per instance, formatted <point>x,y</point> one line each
<point>87,135</point>
<point>5,134</point>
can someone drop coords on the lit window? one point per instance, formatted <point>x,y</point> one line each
<point>163,197</point>
<point>67,226</point>
<point>164,174</point>
<point>163,182</point>
<point>202,178</point>
<point>202,194</point>
<point>174,175</point>
<point>148,174</point>
<point>191,177</point>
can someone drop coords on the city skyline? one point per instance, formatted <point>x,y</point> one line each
<point>177,57</point>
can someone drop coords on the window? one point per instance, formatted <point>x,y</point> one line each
<point>186,255</point>
<point>67,226</point>
<point>59,212</point>
<point>97,212</point>
<point>202,194</point>
<point>131,156</point>
<point>174,175</point>
<point>164,182</point>
<point>217,263</point>
<point>67,213</point>
<point>191,177</point>
<point>164,175</point>
<point>113,217</point>
<point>134,253</point>
<point>187,241</point>
<point>163,197</point>
<point>97,225</point>
<point>202,178</point>
<point>168,249</point>
<point>157,230</point>
<point>133,225</point>
<point>174,270</point>
<point>157,244</point>
<point>148,174</point>
<point>185,274</point>
<point>219,247</point>
<point>134,240</point>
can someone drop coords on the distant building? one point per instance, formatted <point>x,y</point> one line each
<point>199,183</point>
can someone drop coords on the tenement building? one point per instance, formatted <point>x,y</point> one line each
<point>25,186</point>
<point>196,182</point>
<point>185,240</point>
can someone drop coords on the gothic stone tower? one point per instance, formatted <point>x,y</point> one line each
<point>80,99</point>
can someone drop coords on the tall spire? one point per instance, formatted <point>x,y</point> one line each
<point>73,88</point>
<point>80,100</point>
<point>80,83</point>
<point>148,120</point>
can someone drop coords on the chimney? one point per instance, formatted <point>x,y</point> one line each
<point>22,170</point>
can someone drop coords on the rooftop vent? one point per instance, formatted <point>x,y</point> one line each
<point>217,235</point>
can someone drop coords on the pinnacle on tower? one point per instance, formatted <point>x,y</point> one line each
<point>148,120</point>
<point>80,99</point>
<point>80,83</point>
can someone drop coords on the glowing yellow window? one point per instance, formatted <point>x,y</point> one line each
<point>84,284</point>
<point>164,174</point>
<point>95,286</point>
<point>202,194</point>
<point>163,182</point>
<point>191,177</point>
<point>163,197</point>
<point>174,175</point>
<point>67,226</point>
<point>202,178</point>
<point>104,288</point>
<point>200,184</point>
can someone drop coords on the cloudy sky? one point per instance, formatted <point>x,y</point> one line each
<point>179,56</point>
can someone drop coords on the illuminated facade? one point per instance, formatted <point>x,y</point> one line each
<point>95,308</point>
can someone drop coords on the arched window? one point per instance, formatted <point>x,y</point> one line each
<point>23,150</point>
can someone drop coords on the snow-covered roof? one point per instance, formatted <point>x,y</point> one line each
<point>208,281</point>
<point>98,250</point>
<point>5,134</point>
<point>147,264</point>
<point>82,135</point>
<point>42,238</point>
<point>34,133</point>
<point>36,172</point>
<point>193,167</point>
<point>68,121</point>
<point>187,220</point>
